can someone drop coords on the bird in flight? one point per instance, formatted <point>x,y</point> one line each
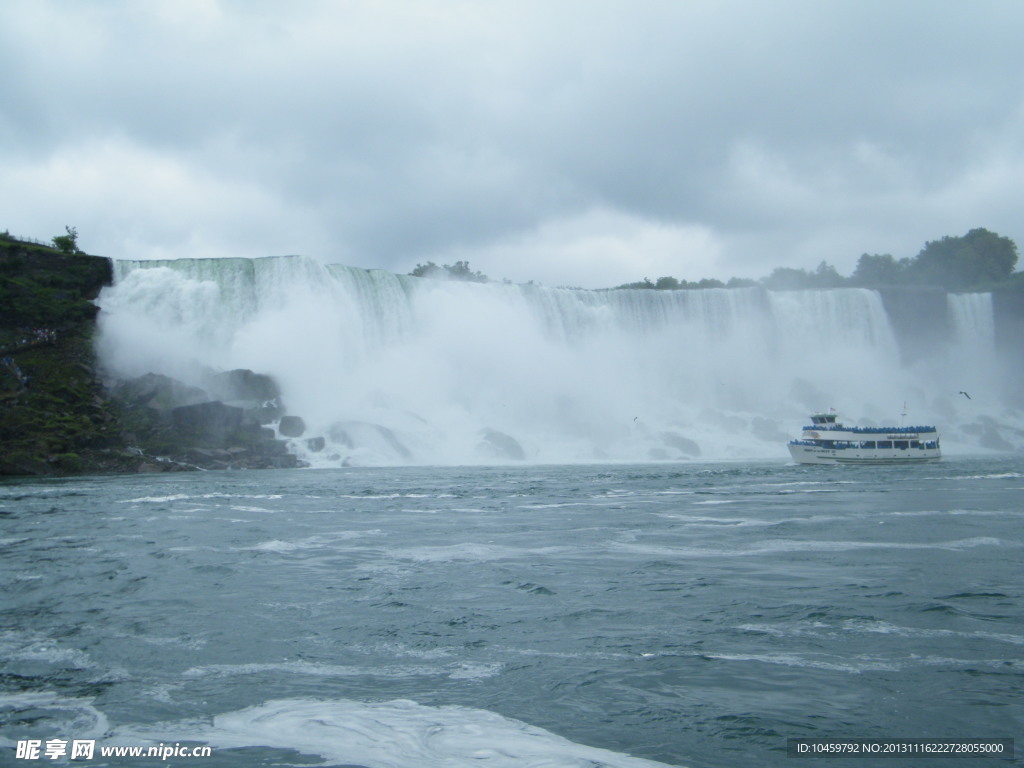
<point>965,394</point>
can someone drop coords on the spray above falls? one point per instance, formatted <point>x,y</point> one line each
<point>392,369</point>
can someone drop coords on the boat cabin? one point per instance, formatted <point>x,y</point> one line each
<point>824,419</point>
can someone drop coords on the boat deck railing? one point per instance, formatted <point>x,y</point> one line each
<point>870,430</point>
<point>844,444</point>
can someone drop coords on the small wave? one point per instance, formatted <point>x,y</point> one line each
<point>155,499</point>
<point>220,495</point>
<point>474,553</point>
<point>184,496</point>
<point>454,670</point>
<point>558,505</point>
<point>782,546</point>
<point>311,542</point>
<point>853,665</point>
<point>996,476</point>
<point>368,495</point>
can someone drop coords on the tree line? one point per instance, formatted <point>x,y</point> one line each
<point>978,260</point>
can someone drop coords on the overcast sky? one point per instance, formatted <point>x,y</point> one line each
<point>583,143</point>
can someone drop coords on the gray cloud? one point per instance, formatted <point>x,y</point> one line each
<point>702,139</point>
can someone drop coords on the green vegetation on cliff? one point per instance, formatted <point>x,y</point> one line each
<point>54,417</point>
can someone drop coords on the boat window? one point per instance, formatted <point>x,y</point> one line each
<point>915,444</point>
<point>868,444</point>
<point>885,443</point>
<point>901,444</point>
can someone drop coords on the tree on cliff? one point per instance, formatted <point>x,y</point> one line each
<point>876,270</point>
<point>458,271</point>
<point>788,278</point>
<point>67,243</point>
<point>957,263</point>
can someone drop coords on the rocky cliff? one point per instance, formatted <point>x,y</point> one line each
<point>58,416</point>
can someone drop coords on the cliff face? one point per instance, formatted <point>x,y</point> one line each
<point>917,315</point>
<point>54,416</point>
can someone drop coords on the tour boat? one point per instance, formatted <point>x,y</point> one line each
<point>826,441</point>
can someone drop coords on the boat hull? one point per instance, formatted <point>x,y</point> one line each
<point>814,454</point>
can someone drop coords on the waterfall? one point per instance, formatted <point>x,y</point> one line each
<point>972,318</point>
<point>971,352</point>
<point>391,368</point>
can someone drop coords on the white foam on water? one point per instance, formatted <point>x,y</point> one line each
<point>886,628</point>
<point>394,734</point>
<point>62,716</point>
<point>851,664</point>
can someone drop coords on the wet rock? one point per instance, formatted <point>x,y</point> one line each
<point>158,391</point>
<point>682,444</point>
<point>499,445</point>
<point>291,426</point>
<point>210,423</point>
<point>369,436</point>
<point>242,384</point>
<point>272,448</point>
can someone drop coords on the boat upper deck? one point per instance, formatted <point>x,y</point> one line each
<point>826,422</point>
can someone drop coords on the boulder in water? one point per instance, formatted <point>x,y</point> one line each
<point>375,438</point>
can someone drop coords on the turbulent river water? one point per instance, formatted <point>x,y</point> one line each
<point>621,615</point>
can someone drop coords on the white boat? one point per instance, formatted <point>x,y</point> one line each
<point>826,441</point>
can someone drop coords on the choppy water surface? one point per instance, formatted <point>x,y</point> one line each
<point>627,616</point>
